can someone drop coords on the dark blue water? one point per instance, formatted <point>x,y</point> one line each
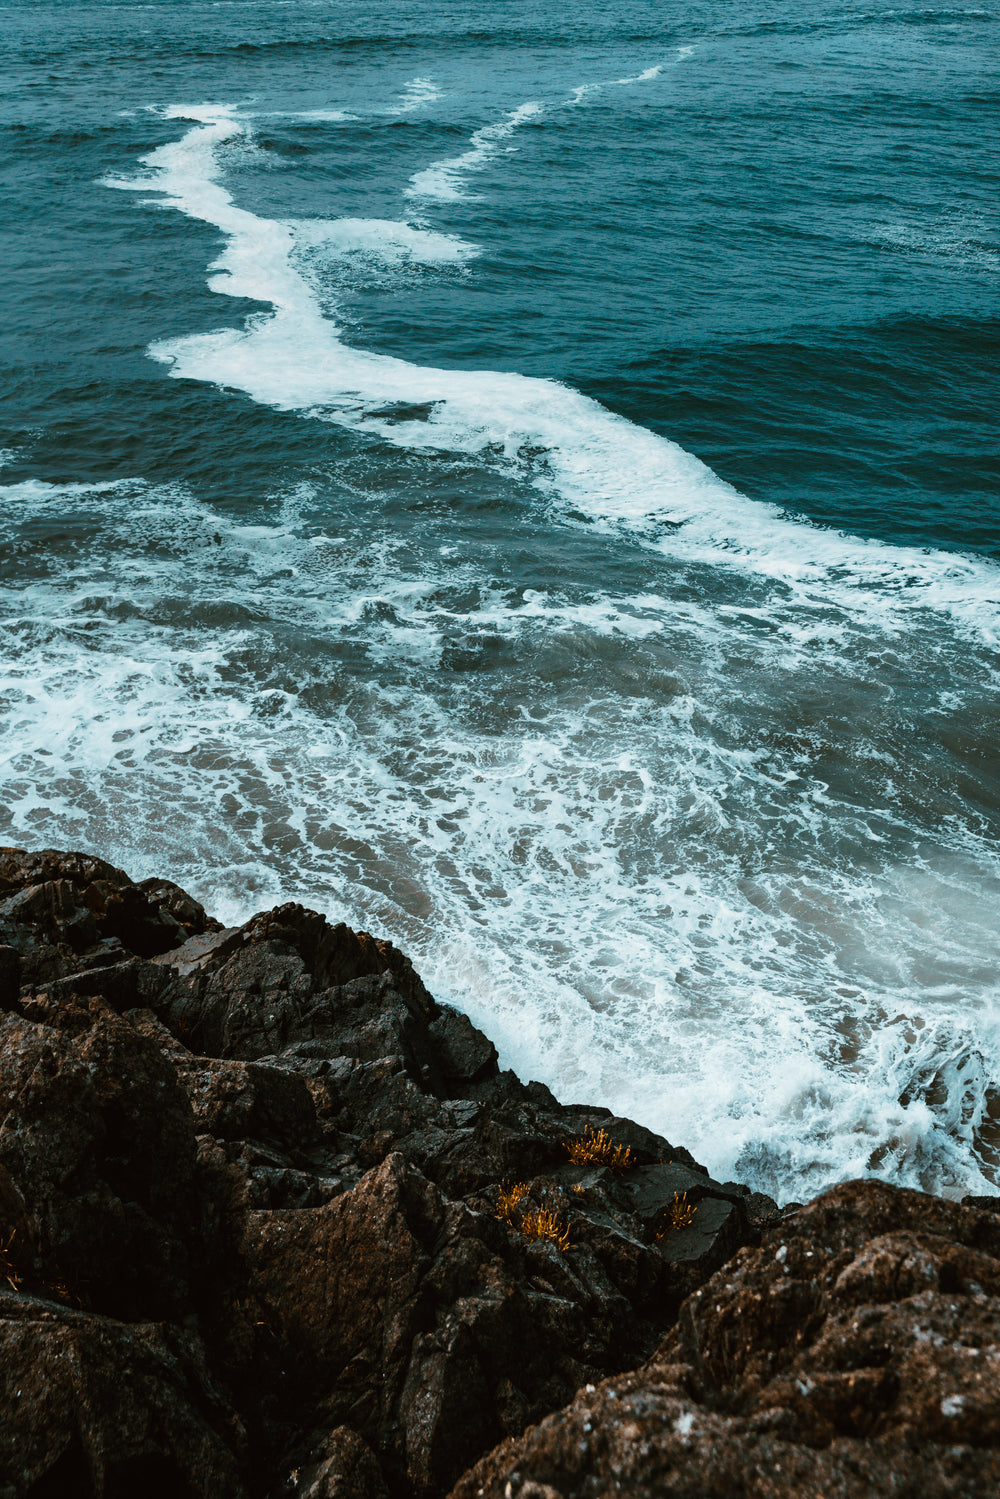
<point>527,483</point>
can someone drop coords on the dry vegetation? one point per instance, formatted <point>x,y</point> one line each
<point>679,1214</point>
<point>530,1223</point>
<point>596,1148</point>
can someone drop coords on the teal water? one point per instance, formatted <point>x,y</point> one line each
<point>527,484</point>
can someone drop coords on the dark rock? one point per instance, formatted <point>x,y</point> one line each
<point>857,1351</point>
<point>348,1470</point>
<point>124,912</point>
<point>985,1204</point>
<point>465,1055</point>
<point>92,1407</point>
<point>203,950</point>
<point>243,1100</point>
<point>123,985</point>
<point>97,1142</point>
<point>19,869</point>
<point>431,1319</point>
<point>63,912</point>
<point>175,902</point>
<point>288,977</point>
<point>271,1140</point>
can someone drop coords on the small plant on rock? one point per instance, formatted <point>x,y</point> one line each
<point>8,1269</point>
<point>530,1223</point>
<point>679,1214</point>
<point>542,1223</point>
<point>15,1276</point>
<point>596,1148</point>
<point>509,1194</point>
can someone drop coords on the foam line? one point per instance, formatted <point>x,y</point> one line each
<point>332,115</point>
<point>579,94</point>
<point>593,462</point>
<point>591,88</point>
<point>444,181</point>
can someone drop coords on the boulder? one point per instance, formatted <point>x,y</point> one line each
<point>856,1351</point>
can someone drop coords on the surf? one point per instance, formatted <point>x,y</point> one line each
<point>583,458</point>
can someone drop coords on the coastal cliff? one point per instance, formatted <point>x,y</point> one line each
<point>274,1222</point>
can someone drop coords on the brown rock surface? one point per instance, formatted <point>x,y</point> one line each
<point>94,1406</point>
<point>855,1352</point>
<point>249,1179</point>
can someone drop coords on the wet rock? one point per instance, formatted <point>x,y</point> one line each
<point>62,912</point>
<point>202,950</point>
<point>122,982</point>
<point>288,977</point>
<point>175,902</point>
<point>348,1470</point>
<point>20,869</point>
<point>465,1055</point>
<point>246,1101</point>
<point>97,1142</point>
<point>985,1204</point>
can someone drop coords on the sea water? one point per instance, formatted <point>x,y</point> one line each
<point>522,480</point>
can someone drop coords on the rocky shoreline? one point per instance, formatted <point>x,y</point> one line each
<point>273,1222</point>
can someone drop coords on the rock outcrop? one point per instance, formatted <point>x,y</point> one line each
<point>273,1222</point>
<point>267,1209</point>
<point>855,1352</point>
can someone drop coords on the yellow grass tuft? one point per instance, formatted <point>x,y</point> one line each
<point>595,1148</point>
<point>509,1194</point>
<point>530,1223</point>
<point>8,1270</point>
<point>679,1214</point>
<point>542,1223</point>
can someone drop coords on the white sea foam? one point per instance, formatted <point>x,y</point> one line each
<point>584,89</point>
<point>578,884</point>
<point>334,116</point>
<point>446,179</point>
<point>580,93</point>
<point>417,93</point>
<point>385,240</point>
<point>581,456</point>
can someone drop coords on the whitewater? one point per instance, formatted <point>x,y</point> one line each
<point>651,777</point>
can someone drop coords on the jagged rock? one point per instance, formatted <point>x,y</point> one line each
<point>175,902</point>
<point>245,1101</point>
<point>408,1314</point>
<point>20,868</point>
<point>857,1351</point>
<point>203,950</point>
<point>97,1145</point>
<point>62,912</point>
<point>465,1054</point>
<point>286,977</point>
<point>93,1407</point>
<point>348,1470</point>
<point>275,1130</point>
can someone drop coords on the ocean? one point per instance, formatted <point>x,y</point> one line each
<point>524,481</point>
